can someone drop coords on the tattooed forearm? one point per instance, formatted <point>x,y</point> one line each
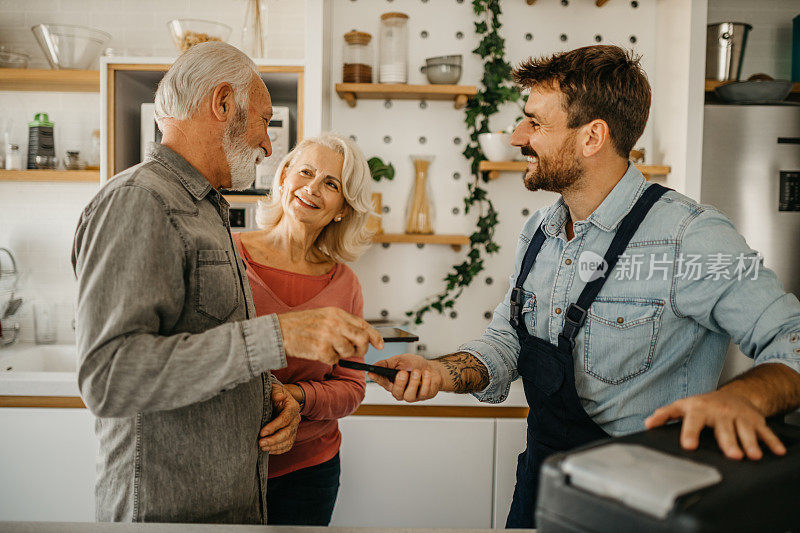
<point>466,372</point>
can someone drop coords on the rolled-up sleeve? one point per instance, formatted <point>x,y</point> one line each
<point>498,348</point>
<point>131,293</point>
<point>736,294</point>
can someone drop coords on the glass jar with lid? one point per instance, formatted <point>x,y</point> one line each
<point>357,57</point>
<point>13,157</point>
<point>393,48</point>
<point>73,160</point>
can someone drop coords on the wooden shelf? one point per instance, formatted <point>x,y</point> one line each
<point>66,176</point>
<point>455,241</point>
<point>494,168</point>
<point>598,3</point>
<point>25,79</point>
<point>242,198</point>
<point>351,92</point>
<point>713,84</point>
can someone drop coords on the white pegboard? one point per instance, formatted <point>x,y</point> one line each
<point>529,31</point>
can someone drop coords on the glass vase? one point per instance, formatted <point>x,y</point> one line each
<point>419,211</point>
<point>254,30</point>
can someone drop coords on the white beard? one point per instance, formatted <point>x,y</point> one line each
<point>242,159</point>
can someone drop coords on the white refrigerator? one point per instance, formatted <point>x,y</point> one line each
<point>751,172</point>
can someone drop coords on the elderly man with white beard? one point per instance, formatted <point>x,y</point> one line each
<point>173,362</point>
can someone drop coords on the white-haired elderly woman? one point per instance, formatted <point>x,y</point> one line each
<point>313,222</point>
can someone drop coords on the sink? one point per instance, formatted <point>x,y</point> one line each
<point>39,370</point>
<point>40,358</point>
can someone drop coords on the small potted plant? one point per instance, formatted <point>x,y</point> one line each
<point>379,171</point>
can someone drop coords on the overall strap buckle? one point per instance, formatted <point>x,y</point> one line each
<point>516,306</point>
<point>574,319</point>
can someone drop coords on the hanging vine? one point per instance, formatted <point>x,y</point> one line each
<point>497,90</point>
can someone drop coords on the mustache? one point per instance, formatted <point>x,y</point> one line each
<point>528,151</point>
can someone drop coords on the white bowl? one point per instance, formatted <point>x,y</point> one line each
<point>497,146</point>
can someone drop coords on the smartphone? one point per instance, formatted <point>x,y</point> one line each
<point>389,373</point>
<point>391,334</point>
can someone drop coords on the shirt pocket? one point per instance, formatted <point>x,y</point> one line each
<point>216,285</point>
<point>621,336</point>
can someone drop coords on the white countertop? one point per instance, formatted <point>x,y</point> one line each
<point>24,383</point>
<point>79,527</point>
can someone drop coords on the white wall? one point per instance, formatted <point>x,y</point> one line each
<point>441,125</point>
<point>769,46</point>
<point>37,220</point>
<point>678,92</point>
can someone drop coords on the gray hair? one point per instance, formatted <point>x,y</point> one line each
<point>341,241</point>
<point>196,73</point>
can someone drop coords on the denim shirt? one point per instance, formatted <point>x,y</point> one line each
<point>659,329</point>
<point>170,360</point>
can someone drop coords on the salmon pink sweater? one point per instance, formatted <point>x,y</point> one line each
<point>331,392</point>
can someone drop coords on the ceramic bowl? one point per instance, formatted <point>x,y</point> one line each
<point>497,146</point>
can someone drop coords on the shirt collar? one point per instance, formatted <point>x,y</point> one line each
<point>610,212</point>
<point>194,182</point>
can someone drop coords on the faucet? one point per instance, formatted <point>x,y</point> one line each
<point>9,331</point>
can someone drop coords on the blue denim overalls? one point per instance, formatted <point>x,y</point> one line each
<point>557,421</point>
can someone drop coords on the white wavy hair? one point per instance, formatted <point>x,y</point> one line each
<point>341,241</point>
<point>196,73</point>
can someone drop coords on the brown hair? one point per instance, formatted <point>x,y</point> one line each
<point>598,82</point>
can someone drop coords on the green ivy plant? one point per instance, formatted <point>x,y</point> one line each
<point>380,170</point>
<point>497,90</point>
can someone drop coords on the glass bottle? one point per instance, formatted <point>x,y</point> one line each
<point>254,30</point>
<point>419,211</point>
<point>13,157</point>
<point>394,48</point>
<point>357,57</point>
<point>94,157</point>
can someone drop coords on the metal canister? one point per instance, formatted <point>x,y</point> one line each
<point>725,46</point>
<point>40,139</point>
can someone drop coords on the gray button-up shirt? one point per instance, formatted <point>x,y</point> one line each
<point>171,362</point>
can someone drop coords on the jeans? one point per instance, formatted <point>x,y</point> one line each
<point>304,497</point>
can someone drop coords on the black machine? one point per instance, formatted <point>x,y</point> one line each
<point>647,482</point>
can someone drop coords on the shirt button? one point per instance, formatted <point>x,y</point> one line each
<point>568,261</point>
<point>620,320</point>
<point>558,310</point>
<point>794,337</point>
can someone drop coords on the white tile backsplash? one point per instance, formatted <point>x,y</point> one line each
<point>37,222</point>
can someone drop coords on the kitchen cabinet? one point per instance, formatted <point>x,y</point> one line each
<point>510,436</point>
<point>47,464</point>
<point>415,472</point>
<point>397,471</point>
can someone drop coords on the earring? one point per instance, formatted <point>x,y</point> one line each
<point>338,219</point>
